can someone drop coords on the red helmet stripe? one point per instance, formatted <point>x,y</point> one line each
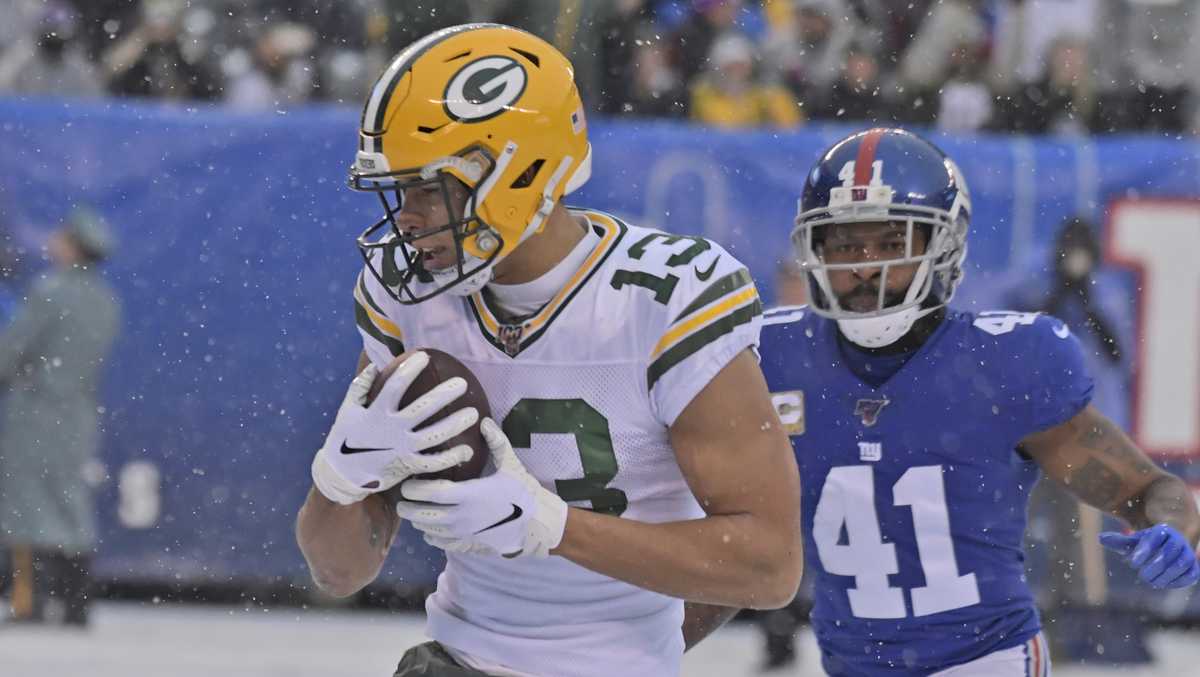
<point>866,156</point>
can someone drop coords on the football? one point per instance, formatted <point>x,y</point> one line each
<point>441,367</point>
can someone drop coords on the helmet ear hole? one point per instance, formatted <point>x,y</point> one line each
<point>526,178</point>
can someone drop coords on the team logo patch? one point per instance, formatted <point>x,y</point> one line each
<point>870,451</point>
<point>484,88</point>
<point>510,338</point>
<point>868,410</point>
<point>790,407</point>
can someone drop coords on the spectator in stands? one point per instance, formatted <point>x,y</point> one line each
<point>654,88</point>
<point>50,361</point>
<point>731,95</point>
<point>281,73</point>
<point>1164,60</point>
<point>928,62</point>
<point>858,94</point>
<point>628,28</point>
<point>1024,33</point>
<point>51,62</point>
<point>1035,46</point>
<point>410,20</point>
<point>965,102</point>
<point>1062,102</point>
<point>150,59</point>
<point>694,38</point>
<point>810,56</point>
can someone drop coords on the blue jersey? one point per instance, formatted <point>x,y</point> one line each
<point>914,492</point>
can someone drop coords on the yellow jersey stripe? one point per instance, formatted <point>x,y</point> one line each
<point>381,322</point>
<point>683,329</point>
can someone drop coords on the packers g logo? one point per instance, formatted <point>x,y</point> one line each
<point>484,88</point>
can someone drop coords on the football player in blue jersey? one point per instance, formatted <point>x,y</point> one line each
<point>920,430</point>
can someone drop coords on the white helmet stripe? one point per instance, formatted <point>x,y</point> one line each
<point>372,119</point>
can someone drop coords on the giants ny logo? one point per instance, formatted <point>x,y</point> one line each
<point>870,451</point>
<point>868,410</point>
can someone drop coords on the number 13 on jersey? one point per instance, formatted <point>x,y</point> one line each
<point>848,499</point>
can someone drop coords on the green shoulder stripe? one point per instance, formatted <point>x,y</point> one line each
<point>362,288</point>
<point>690,345</point>
<point>735,280</point>
<point>394,346</point>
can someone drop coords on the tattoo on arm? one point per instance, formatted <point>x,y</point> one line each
<point>1096,484</point>
<point>1104,436</point>
<point>1118,478</point>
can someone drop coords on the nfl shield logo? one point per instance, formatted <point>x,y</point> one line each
<point>510,338</point>
<point>868,410</point>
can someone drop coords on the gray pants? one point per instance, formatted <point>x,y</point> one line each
<point>431,660</point>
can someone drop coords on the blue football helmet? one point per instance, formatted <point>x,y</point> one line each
<point>885,175</point>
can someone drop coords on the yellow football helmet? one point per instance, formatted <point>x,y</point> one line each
<point>488,105</point>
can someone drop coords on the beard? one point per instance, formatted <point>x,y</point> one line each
<point>864,298</point>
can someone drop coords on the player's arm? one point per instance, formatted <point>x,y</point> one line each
<point>701,620</point>
<point>343,531</point>
<point>345,545</point>
<point>1094,460</point>
<point>1099,464</point>
<point>737,460</point>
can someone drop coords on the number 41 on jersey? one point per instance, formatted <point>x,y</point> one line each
<point>848,500</point>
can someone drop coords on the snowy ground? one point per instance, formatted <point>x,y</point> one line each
<point>139,640</point>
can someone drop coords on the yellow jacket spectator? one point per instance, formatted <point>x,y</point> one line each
<point>729,95</point>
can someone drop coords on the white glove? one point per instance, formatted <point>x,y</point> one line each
<point>372,448</point>
<point>507,513</point>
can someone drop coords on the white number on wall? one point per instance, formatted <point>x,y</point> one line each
<point>1160,240</point>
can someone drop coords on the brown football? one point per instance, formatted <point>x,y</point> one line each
<point>443,366</point>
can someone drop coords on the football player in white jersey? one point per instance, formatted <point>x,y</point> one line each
<point>638,460</point>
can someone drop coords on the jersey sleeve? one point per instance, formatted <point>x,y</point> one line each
<point>713,314</point>
<point>381,336</point>
<point>1060,385</point>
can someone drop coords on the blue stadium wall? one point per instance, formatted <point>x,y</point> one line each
<point>237,259</point>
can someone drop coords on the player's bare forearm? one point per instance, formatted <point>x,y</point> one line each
<point>739,464</point>
<point>701,620</point>
<point>727,560</point>
<point>345,545</point>
<point>1167,500</point>
<point>1100,465</point>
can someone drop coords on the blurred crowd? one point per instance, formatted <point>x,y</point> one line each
<point>1037,66</point>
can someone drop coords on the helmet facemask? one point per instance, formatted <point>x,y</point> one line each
<point>391,253</point>
<point>938,267</point>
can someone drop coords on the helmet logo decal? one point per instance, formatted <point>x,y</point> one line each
<point>855,186</point>
<point>484,88</point>
<point>850,178</point>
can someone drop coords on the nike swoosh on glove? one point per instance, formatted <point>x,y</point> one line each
<point>507,513</point>
<point>373,447</point>
<point>1162,556</point>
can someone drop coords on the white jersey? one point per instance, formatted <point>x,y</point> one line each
<point>586,390</point>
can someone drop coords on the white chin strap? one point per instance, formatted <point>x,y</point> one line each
<point>884,330</point>
<point>468,286</point>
